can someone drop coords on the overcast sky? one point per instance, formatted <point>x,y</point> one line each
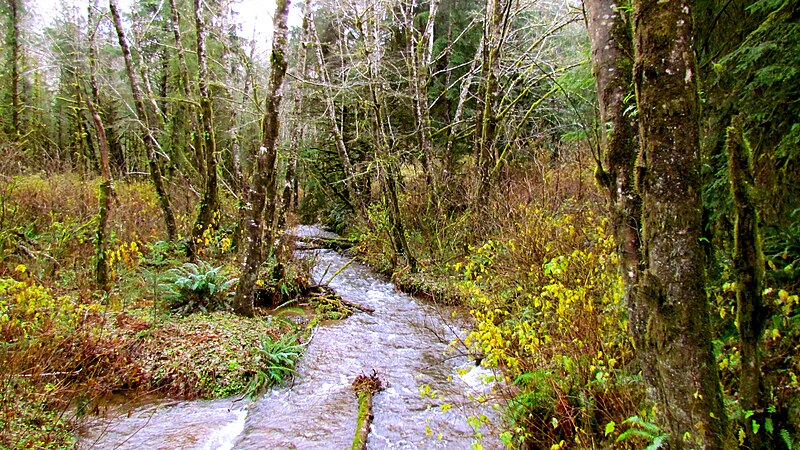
<point>254,15</point>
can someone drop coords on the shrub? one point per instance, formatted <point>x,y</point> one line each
<point>548,309</point>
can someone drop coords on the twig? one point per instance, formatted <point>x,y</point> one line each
<point>49,374</point>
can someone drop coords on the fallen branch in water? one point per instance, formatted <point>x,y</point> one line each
<point>324,294</point>
<point>365,387</point>
<point>315,242</point>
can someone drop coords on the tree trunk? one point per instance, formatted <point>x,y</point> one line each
<point>290,180</point>
<point>486,126</point>
<point>383,146</point>
<point>14,10</point>
<point>210,202</point>
<point>330,109</point>
<point>150,142</point>
<point>196,141</point>
<point>612,66</point>
<point>421,54</point>
<point>456,122</point>
<point>102,278</point>
<point>261,197</point>
<point>670,319</point>
<point>748,269</point>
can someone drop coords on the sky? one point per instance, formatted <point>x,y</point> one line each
<point>254,15</point>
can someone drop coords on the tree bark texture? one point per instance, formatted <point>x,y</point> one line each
<point>210,201</point>
<point>290,180</point>
<point>150,142</point>
<point>421,54</point>
<point>382,143</point>
<point>261,197</point>
<point>748,269</point>
<point>102,278</point>
<point>455,127</point>
<point>612,66</point>
<point>670,319</point>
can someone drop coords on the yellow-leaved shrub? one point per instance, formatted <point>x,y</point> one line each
<point>548,308</point>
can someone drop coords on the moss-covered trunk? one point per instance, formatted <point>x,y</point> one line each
<point>210,201</point>
<point>102,278</point>
<point>497,12</point>
<point>612,66</point>
<point>14,43</point>
<point>352,196</point>
<point>365,387</point>
<point>289,195</point>
<point>670,318</point>
<point>261,196</point>
<point>748,268</point>
<point>186,108</point>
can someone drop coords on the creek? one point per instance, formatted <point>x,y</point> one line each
<point>427,401</point>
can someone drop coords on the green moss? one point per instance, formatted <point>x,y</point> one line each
<point>364,412</point>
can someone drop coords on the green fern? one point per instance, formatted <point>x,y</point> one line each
<point>277,359</point>
<point>787,438</point>
<point>643,429</point>
<point>197,287</point>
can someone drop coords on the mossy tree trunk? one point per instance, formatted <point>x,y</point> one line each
<point>289,195</point>
<point>421,54</point>
<point>210,201</point>
<point>150,142</point>
<point>748,269</point>
<point>261,196</point>
<point>195,141</point>
<point>384,142</point>
<point>455,126</point>
<point>670,318</point>
<point>612,66</point>
<point>102,278</point>
<point>14,42</point>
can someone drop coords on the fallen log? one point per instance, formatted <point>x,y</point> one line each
<point>365,387</point>
<point>324,293</point>
<point>352,305</point>
<point>316,242</point>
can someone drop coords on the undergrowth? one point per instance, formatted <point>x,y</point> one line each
<point>548,310</point>
<point>162,328</point>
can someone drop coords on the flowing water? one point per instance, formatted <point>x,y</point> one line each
<point>425,402</point>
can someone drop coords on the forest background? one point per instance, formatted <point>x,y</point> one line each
<point>609,188</point>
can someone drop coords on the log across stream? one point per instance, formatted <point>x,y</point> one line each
<point>424,402</point>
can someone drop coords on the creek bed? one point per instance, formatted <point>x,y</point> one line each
<point>426,402</point>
